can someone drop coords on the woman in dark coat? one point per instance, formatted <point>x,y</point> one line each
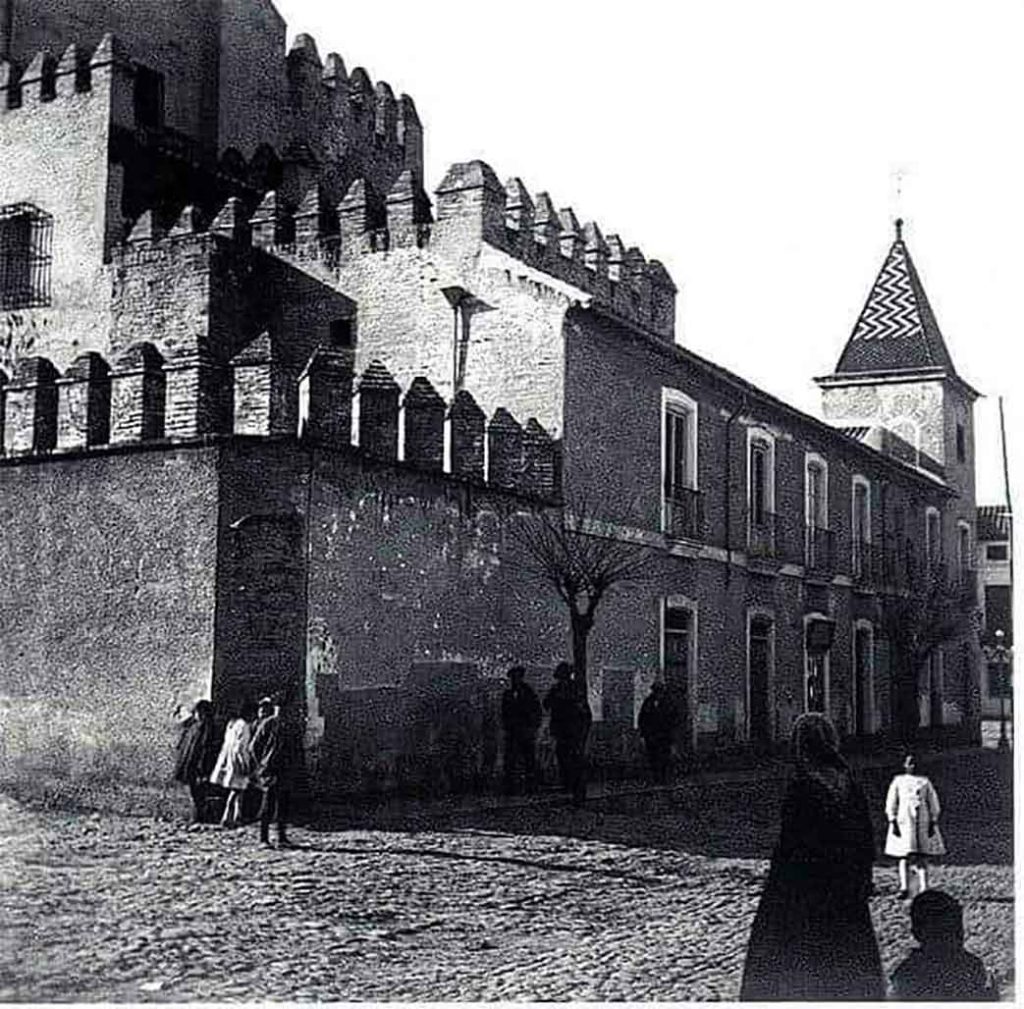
<point>812,937</point>
<point>197,751</point>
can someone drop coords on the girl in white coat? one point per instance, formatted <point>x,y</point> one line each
<point>234,766</point>
<point>912,808</point>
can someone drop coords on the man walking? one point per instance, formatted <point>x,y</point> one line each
<point>570,719</point>
<point>274,754</point>
<point>520,719</point>
<point>657,724</point>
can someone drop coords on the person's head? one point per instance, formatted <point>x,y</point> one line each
<point>516,675</point>
<point>203,710</point>
<point>815,743</point>
<point>563,672</point>
<point>657,688</point>
<point>909,763</point>
<point>937,919</point>
<point>265,707</point>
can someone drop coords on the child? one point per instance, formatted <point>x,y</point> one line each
<point>234,766</point>
<point>940,969</point>
<point>912,808</point>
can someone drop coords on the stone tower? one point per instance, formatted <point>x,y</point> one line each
<point>896,385</point>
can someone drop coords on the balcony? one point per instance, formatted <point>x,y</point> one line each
<point>897,563</point>
<point>683,514</point>
<point>866,565</point>
<point>819,551</point>
<point>763,536</point>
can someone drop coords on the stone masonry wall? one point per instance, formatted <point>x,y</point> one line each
<point>55,158</point>
<point>513,345</point>
<point>107,567</point>
<point>153,31</point>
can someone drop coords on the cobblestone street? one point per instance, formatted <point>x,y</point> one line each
<point>634,897</point>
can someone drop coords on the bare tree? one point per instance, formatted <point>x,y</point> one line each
<point>931,610</point>
<point>582,557</point>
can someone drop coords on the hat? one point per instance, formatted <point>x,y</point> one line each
<point>265,702</point>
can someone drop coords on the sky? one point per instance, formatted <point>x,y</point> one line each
<point>759,150</point>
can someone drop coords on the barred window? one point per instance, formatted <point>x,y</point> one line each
<point>26,235</point>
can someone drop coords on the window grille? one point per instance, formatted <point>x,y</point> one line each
<point>26,238</point>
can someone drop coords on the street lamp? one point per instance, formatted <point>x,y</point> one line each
<point>1001,658</point>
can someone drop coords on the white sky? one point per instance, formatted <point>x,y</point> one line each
<point>753,148</point>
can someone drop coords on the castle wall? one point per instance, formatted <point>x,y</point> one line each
<point>107,569</point>
<point>155,34</point>
<point>55,157</point>
<point>252,42</point>
<point>513,352</point>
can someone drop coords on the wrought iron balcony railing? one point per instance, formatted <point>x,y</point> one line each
<point>819,550</point>
<point>866,564</point>
<point>683,514</point>
<point>763,540</point>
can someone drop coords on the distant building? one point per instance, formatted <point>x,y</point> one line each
<point>995,584</point>
<point>268,410</point>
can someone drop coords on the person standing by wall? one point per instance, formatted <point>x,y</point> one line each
<point>912,809</point>
<point>234,765</point>
<point>520,719</point>
<point>196,753</point>
<point>570,720</point>
<point>275,757</point>
<point>657,723</point>
<point>812,938</point>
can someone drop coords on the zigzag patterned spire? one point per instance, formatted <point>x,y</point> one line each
<point>896,330</point>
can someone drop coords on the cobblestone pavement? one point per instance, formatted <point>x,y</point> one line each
<point>619,900</point>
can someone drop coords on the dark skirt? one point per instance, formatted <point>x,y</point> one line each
<point>811,940</point>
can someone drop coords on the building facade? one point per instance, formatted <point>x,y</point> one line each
<point>269,411</point>
<point>995,594</point>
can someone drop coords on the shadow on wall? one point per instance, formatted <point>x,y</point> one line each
<point>439,732</point>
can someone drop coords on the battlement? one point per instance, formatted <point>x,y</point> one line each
<point>549,238</point>
<point>345,124</point>
<point>47,77</point>
<point>472,206</point>
<point>143,398</point>
<point>326,125</point>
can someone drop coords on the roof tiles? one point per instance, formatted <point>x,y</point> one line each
<point>896,330</point>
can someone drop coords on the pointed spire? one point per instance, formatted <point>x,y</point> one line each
<point>896,330</point>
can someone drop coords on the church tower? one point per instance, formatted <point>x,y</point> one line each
<point>896,387</point>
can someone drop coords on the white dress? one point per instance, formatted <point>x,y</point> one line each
<point>235,760</point>
<point>913,803</point>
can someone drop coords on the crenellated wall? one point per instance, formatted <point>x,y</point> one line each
<point>144,397</point>
<point>56,118</point>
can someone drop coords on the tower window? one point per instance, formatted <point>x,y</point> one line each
<point>961,442</point>
<point>341,333</point>
<point>26,237</point>
<point>149,98</point>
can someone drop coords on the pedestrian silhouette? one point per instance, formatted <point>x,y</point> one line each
<point>657,724</point>
<point>940,969</point>
<point>196,753</point>
<point>912,808</point>
<point>812,937</point>
<point>570,719</point>
<point>520,720</point>
<point>275,755</point>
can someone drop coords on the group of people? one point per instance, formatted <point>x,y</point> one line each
<point>258,753</point>
<point>569,721</point>
<point>812,937</point>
